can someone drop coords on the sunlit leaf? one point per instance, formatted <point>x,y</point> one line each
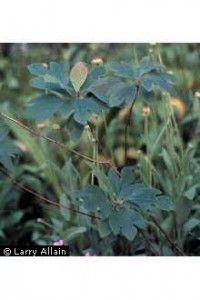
<point>78,75</point>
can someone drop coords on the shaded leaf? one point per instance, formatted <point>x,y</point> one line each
<point>53,77</point>
<point>122,69</point>
<point>146,66</point>
<point>104,229</point>
<point>64,201</point>
<point>122,93</point>
<point>100,88</point>
<point>191,192</point>
<point>83,109</point>
<point>4,129</point>
<point>137,194</point>
<point>37,69</point>
<point>161,80</point>
<point>7,151</point>
<point>124,221</point>
<point>94,199</point>
<point>189,225</point>
<point>73,232</point>
<point>43,107</point>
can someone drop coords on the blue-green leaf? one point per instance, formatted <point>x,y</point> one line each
<point>53,77</point>
<point>122,69</point>
<point>161,80</point>
<point>122,93</point>
<point>94,199</point>
<point>43,107</point>
<point>114,181</point>
<point>7,151</point>
<point>146,66</point>
<point>125,221</point>
<point>37,69</point>
<point>100,88</point>
<point>4,129</point>
<point>137,194</point>
<point>84,108</point>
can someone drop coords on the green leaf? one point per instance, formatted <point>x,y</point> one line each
<point>104,229</point>
<point>122,93</point>
<point>191,192</point>
<point>73,232</point>
<point>146,66</point>
<point>161,80</point>
<point>96,73</point>
<point>38,83</point>
<point>78,75</point>
<point>124,221</point>
<point>114,181</point>
<point>165,203</point>
<point>4,129</point>
<point>43,107</point>
<point>7,151</point>
<point>167,159</point>
<point>143,197</point>
<point>189,225</point>
<point>122,69</point>
<point>52,78</point>
<point>84,108</point>
<point>37,69</point>
<point>94,199</point>
<point>64,201</point>
<point>137,194</point>
<point>100,88</point>
<point>67,109</point>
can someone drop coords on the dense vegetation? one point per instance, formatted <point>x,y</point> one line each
<point>99,147</point>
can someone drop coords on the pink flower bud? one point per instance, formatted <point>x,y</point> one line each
<point>59,243</point>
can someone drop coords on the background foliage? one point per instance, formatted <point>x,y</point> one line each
<point>160,165</point>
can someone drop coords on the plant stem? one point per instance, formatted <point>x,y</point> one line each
<point>174,245</point>
<point>44,199</point>
<point>146,132</point>
<point>127,125</point>
<point>52,140</point>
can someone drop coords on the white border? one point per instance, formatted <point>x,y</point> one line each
<point>99,21</point>
<point>100,278</point>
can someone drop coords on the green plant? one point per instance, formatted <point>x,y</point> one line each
<point>132,205</point>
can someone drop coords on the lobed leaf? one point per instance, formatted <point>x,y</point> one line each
<point>94,199</point>
<point>122,69</point>
<point>122,93</point>
<point>100,87</point>
<point>125,221</point>
<point>43,107</point>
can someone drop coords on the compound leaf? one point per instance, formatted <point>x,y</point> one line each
<point>122,69</point>
<point>43,107</point>
<point>125,221</point>
<point>37,69</point>
<point>100,87</point>
<point>122,93</point>
<point>94,199</point>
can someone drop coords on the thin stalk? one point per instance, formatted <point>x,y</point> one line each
<point>52,140</point>
<point>128,124</point>
<point>173,244</point>
<point>44,199</point>
<point>146,132</point>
